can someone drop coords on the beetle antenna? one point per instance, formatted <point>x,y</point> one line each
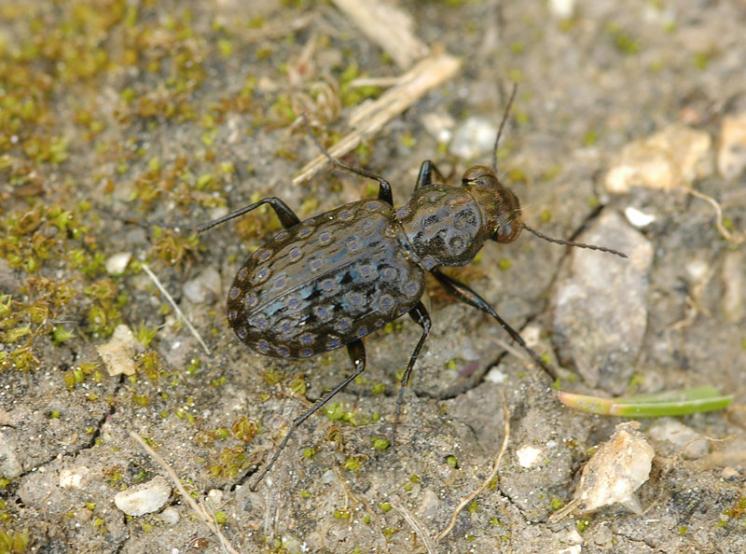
<point>573,243</point>
<point>502,125</point>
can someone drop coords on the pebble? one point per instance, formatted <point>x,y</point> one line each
<point>672,158</point>
<point>672,437</point>
<point>600,304</point>
<point>731,157</point>
<point>74,477</point>
<point>528,456</point>
<point>10,467</point>
<point>729,473</point>
<point>144,498</point>
<point>214,498</point>
<point>612,476</point>
<point>117,263</point>
<point>638,218</point>
<point>734,286</point>
<point>119,353</point>
<point>562,8</point>
<point>429,507</point>
<point>206,287</point>
<point>9,280</point>
<point>170,516</point>
<point>474,137</point>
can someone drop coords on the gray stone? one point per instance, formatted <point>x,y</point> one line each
<point>600,310</point>
<point>206,287</point>
<point>10,466</point>
<point>672,437</point>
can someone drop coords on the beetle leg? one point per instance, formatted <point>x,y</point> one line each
<point>284,213</point>
<point>466,294</point>
<point>356,349</point>
<point>422,318</point>
<point>425,177</point>
<point>384,188</point>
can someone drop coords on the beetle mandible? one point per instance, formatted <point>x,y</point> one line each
<point>328,281</point>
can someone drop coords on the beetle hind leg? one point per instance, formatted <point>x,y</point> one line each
<point>356,350</point>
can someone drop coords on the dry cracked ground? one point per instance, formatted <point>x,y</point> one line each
<point>122,120</point>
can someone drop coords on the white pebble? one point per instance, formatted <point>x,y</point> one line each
<point>528,456</point>
<point>637,217</point>
<point>145,498</point>
<point>117,263</point>
<point>119,353</point>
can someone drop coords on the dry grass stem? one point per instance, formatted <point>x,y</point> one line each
<point>197,507</point>
<point>415,524</point>
<point>369,118</point>
<point>176,307</point>
<point>388,26</point>
<point>495,468</point>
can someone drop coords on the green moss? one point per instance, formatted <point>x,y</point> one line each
<point>381,443</point>
<point>244,429</point>
<point>452,461</point>
<point>14,542</point>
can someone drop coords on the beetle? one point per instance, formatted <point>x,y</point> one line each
<point>328,281</point>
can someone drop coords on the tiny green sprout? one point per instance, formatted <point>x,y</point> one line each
<point>582,524</point>
<point>309,452</point>
<point>90,506</point>
<point>381,443</point>
<point>473,507</point>
<point>353,464</point>
<point>504,264</point>
<point>55,414</point>
<point>221,518</point>
<point>556,503</point>
<point>194,365</point>
<point>145,334</point>
<point>222,433</point>
<point>305,494</point>
<point>380,388</point>
<point>342,513</point>
<point>60,335</point>
<point>452,461</point>
<point>416,479</point>
<point>385,507</point>
<point>4,483</point>
<point>683,530</point>
<point>366,519</point>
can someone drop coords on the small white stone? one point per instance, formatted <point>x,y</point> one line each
<point>170,516</point>
<point>145,498</point>
<point>562,8</point>
<point>215,498</point>
<point>528,456</point>
<point>73,477</point>
<point>439,125</point>
<point>473,138</point>
<point>729,473</point>
<point>673,437</point>
<point>637,217</point>
<point>496,376</point>
<point>697,270</point>
<point>117,263</point>
<point>119,353</point>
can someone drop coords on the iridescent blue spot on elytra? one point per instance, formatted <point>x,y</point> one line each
<point>315,264</point>
<point>389,273</point>
<point>305,232</point>
<point>241,332</point>
<point>242,274</point>
<point>295,254</point>
<point>283,351</point>
<point>346,215</point>
<point>232,314</point>
<point>411,288</point>
<point>323,312</point>
<point>279,282</point>
<point>354,243</point>
<point>260,275</point>
<point>307,338</point>
<point>306,352</point>
<point>281,235</point>
<point>251,300</point>
<point>325,237</point>
<point>385,303</point>
<point>262,346</point>
<point>333,342</point>
<point>372,206</point>
<point>262,255</point>
<point>259,321</point>
<point>343,324</point>
<point>362,331</point>
<point>329,285</point>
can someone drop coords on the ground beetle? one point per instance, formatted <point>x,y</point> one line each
<point>329,281</point>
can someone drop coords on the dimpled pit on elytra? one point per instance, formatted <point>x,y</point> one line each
<point>295,254</point>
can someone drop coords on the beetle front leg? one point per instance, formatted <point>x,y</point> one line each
<point>284,213</point>
<point>425,176</point>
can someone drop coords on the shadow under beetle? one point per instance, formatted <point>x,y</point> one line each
<point>328,281</point>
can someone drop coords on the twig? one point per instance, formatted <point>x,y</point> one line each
<point>388,26</point>
<point>725,233</point>
<point>471,496</point>
<point>175,307</point>
<point>415,524</point>
<point>369,118</point>
<point>197,507</point>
